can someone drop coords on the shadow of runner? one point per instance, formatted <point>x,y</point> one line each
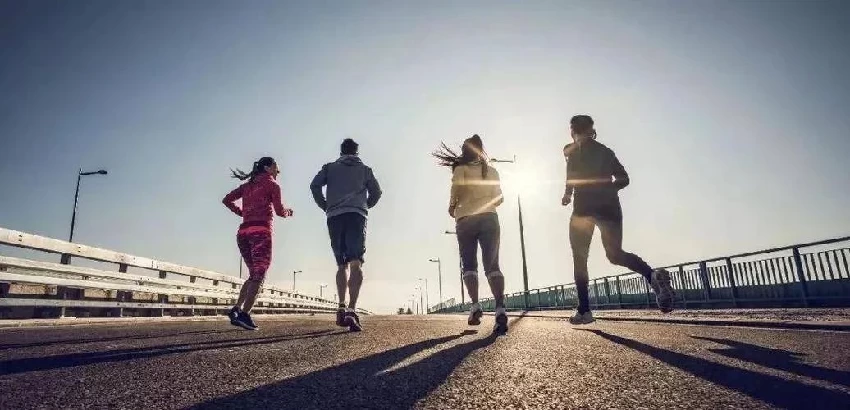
<point>777,359</point>
<point>126,337</point>
<point>767,388</point>
<point>362,383</point>
<point>16,366</point>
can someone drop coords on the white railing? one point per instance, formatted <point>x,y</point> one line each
<point>31,288</point>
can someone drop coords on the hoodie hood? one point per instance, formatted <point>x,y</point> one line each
<point>349,160</point>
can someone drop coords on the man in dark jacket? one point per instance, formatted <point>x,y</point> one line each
<point>351,191</point>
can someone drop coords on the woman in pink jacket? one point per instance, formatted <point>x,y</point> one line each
<point>261,199</point>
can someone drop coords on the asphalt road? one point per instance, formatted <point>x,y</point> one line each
<point>435,362</point>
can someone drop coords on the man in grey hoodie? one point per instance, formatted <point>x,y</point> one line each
<point>351,191</point>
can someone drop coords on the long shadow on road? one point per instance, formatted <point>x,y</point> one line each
<point>362,383</point>
<point>769,389</point>
<point>777,359</point>
<point>16,366</point>
<point>65,342</point>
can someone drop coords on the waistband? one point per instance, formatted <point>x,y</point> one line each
<point>255,225</point>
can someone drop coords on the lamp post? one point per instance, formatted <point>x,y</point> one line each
<point>66,259</point>
<point>421,309</point>
<point>439,276</point>
<point>460,266</point>
<point>293,278</point>
<point>427,302</point>
<point>521,237</point>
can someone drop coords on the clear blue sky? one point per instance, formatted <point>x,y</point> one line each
<point>732,117</point>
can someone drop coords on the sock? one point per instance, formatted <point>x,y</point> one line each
<point>475,306</point>
<point>500,311</point>
<point>342,305</point>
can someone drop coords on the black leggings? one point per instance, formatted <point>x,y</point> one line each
<point>611,227</point>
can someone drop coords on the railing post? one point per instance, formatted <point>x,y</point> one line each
<point>163,274</point>
<point>619,294</point>
<point>684,283</point>
<point>122,267</point>
<point>731,277</point>
<point>607,292</point>
<point>706,284</point>
<point>798,265</point>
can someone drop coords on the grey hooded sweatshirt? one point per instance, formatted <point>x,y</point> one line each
<point>351,187</point>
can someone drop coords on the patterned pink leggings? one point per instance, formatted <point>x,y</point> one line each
<point>255,245</point>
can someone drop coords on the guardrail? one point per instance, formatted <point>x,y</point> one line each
<point>31,288</point>
<point>803,275</point>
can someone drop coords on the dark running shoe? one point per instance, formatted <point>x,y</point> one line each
<point>340,317</point>
<point>475,314</point>
<point>501,326</point>
<point>244,320</point>
<point>233,314</point>
<point>353,322</point>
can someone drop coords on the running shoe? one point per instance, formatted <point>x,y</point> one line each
<point>340,317</point>
<point>233,314</point>
<point>244,320</point>
<point>664,293</point>
<point>475,314</point>
<point>353,321</point>
<point>582,318</point>
<point>501,326</point>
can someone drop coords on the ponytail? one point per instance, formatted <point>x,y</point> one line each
<point>471,151</point>
<point>258,168</point>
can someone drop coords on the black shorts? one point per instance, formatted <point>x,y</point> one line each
<point>348,237</point>
<point>609,211</point>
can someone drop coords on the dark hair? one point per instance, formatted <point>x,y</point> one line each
<point>259,167</point>
<point>348,147</point>
<point>583,124</point>
<point>471,151</point>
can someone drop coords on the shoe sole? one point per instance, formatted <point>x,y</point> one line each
<point>501,325</point>
<point>664,293</point>
<point>581,323</point>
<point>246,326</point>
<point>475,320</point>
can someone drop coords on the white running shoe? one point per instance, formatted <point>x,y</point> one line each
<point>664,293</point>
<point>475,314</point>
<point>582,318</point>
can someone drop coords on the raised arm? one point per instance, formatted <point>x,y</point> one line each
<point>319,181</point>
<point>373,189</point>
<point>454,196</point>
<point>621,177</point>
<point>230,200</point>
<point>568,188</point>
<point>277,201</point>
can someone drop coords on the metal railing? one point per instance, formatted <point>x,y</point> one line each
<point>803,275</point>
<point>30,288</point>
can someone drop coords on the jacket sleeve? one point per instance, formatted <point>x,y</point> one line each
<point>457,182</point>
<point>230,200</point>
<point>621,177</point>
<point>498,197</point>
<point>568,188</point>
<point>319,181</point>
<point>373,189</point>
<point>277,199</point>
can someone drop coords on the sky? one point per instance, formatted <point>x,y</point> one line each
<point>732,118</point>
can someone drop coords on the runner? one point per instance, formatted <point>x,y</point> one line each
<point>351,191</point>
<point>260,196</point>
<point>596,175</point>
<point>475,194</point>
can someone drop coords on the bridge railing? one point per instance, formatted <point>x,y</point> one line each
<point>802,275</point>
<point>30,288</point>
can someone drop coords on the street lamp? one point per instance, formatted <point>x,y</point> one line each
<point>439,276</point>
<point>521,236</point>
<point>419,288</point>
<point>460,266</point>
<point>66,259</point>
<point>427,301</point>
<point>320,290</point>
<point>293,279</point>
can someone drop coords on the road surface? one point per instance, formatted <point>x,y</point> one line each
<point>416,362</point>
